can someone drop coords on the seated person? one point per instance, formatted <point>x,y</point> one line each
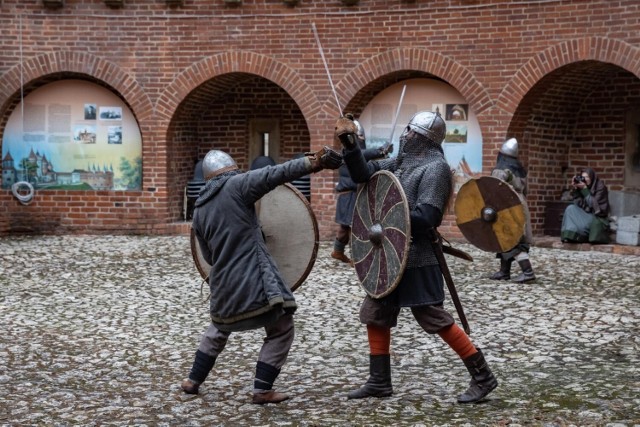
<point>586,220</point>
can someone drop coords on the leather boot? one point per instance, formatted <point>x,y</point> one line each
<point>202,365</point>
<point>527,272</point>
<point>505,271</point>
<point>379,382</point>
<point>340,256</point>
<point>269,397</point>
<point>482,381</point>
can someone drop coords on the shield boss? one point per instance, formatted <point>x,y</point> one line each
<point>380,234</point>
<point>290,231</point>
<point>490,214</point>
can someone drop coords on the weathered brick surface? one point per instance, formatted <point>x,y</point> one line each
<point>558,75</point>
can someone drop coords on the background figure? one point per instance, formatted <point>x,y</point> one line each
<point>347,192</point>
<point>262,161</point>
<point>510,170</point>
<point>427,182</point>
<point>303,184</point>
<point>247,290</point>
<point>586,220</point>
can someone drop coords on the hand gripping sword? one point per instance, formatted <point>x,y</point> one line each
<point>436,242</point>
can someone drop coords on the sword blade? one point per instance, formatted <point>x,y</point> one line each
<point>395,119</point>
<point>326,67</point>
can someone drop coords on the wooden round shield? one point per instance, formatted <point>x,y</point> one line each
<point>490,214</point>
<point>380,234</point>
<point>290,230</point>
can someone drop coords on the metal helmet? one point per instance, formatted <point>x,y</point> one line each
<point>510,148</point>
<point>428,124</point>
<point>360,135</point>
<point>360,132</point>
<point>217,162</point>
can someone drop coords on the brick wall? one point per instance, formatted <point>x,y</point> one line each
<point>557,75</point>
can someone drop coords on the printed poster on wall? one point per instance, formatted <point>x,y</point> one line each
<point>463,140</point>
<point>72,135</point>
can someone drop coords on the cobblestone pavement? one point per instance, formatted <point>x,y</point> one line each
<point>100,330</point>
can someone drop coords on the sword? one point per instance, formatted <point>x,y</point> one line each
<point>436,242</point>
<point>326,67</point>
<point>395,119</point>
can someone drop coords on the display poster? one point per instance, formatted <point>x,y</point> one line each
<point>463,140</point>
<point>72,135</point>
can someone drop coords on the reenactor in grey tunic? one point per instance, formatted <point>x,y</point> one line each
<point>247,289</point>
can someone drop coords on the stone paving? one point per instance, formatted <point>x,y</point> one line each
<point>100,330</point>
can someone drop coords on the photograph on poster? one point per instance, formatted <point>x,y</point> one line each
<point>457,112</point>
<point>110,113</point>
<point>84,134</point>
<point>438,108</point>
<point>456,133</point>
<point>114,135</point>
<point>90,111</point>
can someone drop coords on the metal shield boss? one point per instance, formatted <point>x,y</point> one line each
<point>290,230</point>
<point>380,234</point>
<point>490,214</point>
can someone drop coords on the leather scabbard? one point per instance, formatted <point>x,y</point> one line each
<point>436,243</point>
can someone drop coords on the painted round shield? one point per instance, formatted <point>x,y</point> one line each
<point>380,234</point>
<point>490,214</point>
<point>290,230</point>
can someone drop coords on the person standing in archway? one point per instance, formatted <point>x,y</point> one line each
<point>347,192</point>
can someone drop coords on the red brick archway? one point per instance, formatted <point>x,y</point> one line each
<point>77,63</point>
<point>601,49</point>
<point>418,59</point>
<point>233,62</point>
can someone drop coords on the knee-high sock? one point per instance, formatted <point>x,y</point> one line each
<point>458,341</point>
<point>379,340</point>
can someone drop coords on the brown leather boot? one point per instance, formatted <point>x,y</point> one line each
<point>340,256</point>
<point>190,386</point>
<point>269,397</point>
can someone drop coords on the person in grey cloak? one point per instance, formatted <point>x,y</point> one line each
<point>509,169</point>
<point>587,219</point>
<point>427,182</point>
<point>346,190</point>
<point>247,290</point>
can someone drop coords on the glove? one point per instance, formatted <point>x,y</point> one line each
<point>325,158</point>
<point>386,149</point>
<point>345,132</point>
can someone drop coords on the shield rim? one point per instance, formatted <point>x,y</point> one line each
<point>407,245</point>
<point>314,253</point>
<point>520,205</point>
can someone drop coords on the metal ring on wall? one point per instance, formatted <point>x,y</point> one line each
<point>16,189</point>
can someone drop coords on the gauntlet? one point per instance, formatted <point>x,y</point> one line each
<point>345,132</point>
<point>325,158</point>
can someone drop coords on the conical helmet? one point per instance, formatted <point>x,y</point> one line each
<point>429,124</point>
<point>510,148</point>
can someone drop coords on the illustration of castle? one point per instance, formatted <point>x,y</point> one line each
<point>39,171</point>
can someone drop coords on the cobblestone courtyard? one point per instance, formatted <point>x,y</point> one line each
<point>100,330</point>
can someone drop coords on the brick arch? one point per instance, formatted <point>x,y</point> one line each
<point>79,63</point>
<point>419,59</point>
<point>601,49</point>
<point>236,62</point>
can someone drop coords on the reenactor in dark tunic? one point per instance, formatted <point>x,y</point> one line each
<point>347,191</point>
